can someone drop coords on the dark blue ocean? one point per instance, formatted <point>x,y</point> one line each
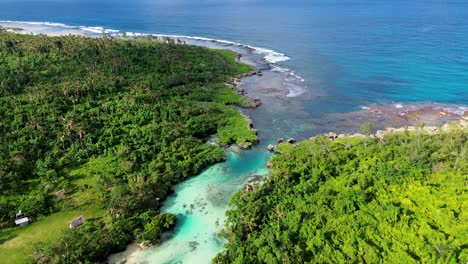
<point>355,51</point>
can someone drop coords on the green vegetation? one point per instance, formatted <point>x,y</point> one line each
<point>114,123</point>
<point>403,199</point>
<point>16,243</point>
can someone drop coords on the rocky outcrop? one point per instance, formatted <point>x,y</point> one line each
<point>271,148</point>
<point>250,126</point>
<point>234,83</point>
<point>251,102</point>
<point>291,141</point>
<point>380,134</point>
<point>252,182</point>
<point>245,145</point>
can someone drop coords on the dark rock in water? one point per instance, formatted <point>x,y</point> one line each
<point>193,245</point>
<point>252,182</point>
<point>271,148</point>
<point>291,141</point>
<point>264,67</point>
<point>252,103</point>
<point>280,140</point>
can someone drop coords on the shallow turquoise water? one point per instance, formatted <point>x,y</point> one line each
<point>200,204</point>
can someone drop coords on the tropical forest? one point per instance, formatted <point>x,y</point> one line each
<point>401,198</point>
<point>103,128</point>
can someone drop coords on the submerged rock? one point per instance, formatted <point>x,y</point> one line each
<point>193,245</point>
<point>252,182</point>
<point>251,102</point>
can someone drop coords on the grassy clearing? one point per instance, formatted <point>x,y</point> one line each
<point>227,96</point>
<point>16,243</point>
<point>242,68</point>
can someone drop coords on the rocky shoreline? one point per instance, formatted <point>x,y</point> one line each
<point>381,134</point>
<point>462,125</point>
<point>234,83</point>
<point>249,103</point>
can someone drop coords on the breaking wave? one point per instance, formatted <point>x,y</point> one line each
<point>271,57</point>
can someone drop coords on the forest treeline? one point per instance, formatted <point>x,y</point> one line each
<point>115,120</point>
<point>402,199</point>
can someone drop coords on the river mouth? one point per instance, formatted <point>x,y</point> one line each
<point>292,107</point>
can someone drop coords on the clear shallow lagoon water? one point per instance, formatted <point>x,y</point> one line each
<point>343,55</point>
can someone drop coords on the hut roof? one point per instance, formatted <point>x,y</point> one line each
<point>21,221</point>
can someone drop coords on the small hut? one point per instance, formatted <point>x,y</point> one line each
<point>76,222</point>
<point>22,221</point>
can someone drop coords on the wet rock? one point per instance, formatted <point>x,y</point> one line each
<point>380,134</point>
<point>331,135</point>
<point>252,182</point>
<point>280,140</point>
<point>144,244</point>
<point>271,148</point>
<point>245,145</point>
<point>248,188</point>
<point>251,102</point>
<point>291,141</point>
<point>430,129</point>
<point>357,135</point>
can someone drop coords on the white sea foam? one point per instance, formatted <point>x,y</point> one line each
<point>399,106</point>
<point>456,110</point>
<point>270,56</point>
<point>279,69</point>
<point>365,107</point>
<point>51,24</point>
